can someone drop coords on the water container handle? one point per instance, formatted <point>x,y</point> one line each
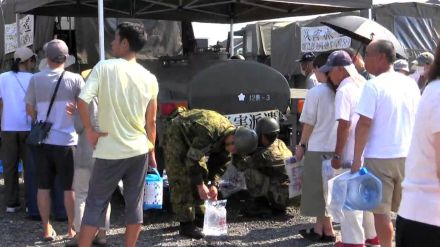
<point>156,171</point>
<point>363,171</point>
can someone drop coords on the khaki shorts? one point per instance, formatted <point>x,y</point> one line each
<point>391,173</point>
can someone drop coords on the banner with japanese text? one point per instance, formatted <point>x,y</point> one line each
<point>26,34</point>
<point>322,38</point>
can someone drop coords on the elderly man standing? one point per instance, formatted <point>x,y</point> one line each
<point>357,227</point>
<point>387,110</point>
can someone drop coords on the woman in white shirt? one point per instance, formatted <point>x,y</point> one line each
<point>319,138</point>
<point>418,220</point>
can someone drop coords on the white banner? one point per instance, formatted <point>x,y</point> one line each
<point>250,119</point>
<point>26,34</point>
<point>322,38</point>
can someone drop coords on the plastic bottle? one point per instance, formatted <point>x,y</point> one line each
<point>291,160</point>
<point>165,179</point>
<point>364,191</point>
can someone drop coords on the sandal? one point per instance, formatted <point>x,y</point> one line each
<point>51,236</point>
<point>310,235</point>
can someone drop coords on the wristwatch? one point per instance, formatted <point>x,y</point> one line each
<point>302,145</point>
<point>336,156</point>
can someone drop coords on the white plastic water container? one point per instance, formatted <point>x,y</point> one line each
<point>215,218</point>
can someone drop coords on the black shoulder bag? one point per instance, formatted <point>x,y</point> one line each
<point>40,129</point>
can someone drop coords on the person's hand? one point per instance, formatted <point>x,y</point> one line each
<point>93,136</point>
<point>213,192</point>
<point>70,108</point>
<point>336,163</point>
<point>356,166</point>
<point>151,161</point>
<point>299,153</point>
<point>203,191</point>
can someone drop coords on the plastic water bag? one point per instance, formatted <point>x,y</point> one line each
<point>215,218</point>
<point>232,181</point>
<point>328,172</point>
<point>295,171</point>
<point>153,192</point>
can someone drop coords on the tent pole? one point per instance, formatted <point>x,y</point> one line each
<point>231,39</point>
<point>370,14</point>
<point>101,29</point>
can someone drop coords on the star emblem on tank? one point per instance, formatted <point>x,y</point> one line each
<point>241,97</point>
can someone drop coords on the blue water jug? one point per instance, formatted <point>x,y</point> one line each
<point>153,192</point>
<point>364,191</point>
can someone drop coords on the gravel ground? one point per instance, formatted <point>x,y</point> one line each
<point>160,230</point>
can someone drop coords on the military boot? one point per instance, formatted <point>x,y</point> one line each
<point>199,221</point>
<point>257,207</point>
<point>189,229</point>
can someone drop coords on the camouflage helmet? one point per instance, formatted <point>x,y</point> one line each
<point>246,140</point>
<point>267,125</point>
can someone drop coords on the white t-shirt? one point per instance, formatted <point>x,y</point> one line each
<point>421,186</point>
<point>390,100</point>
<point>347,97</point>
<point>318,111</point>
<point>13,88</point>
<point>311,81</point>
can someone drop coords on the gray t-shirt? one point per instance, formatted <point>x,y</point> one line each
<point>39,93</point>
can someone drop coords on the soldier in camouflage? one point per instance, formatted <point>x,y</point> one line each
<point>266,178</point>
<point>190,137</point>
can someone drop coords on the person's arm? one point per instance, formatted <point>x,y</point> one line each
<point>150,128</point>
<point>30,110</point>
<point>309,117</point>
<point>341,140</point>
<point>343,106</point>
<point>366,109</point>
<point>437,152</point>
<point>361,136</point>
<point>88,93</point>
<point>305,135</point>
<point>92,135</point>
<point>31,100</point>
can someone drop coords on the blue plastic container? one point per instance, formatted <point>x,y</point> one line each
<point>364,191</point>
<point>153,191</point>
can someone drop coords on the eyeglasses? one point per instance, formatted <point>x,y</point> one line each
<point>229,144</point>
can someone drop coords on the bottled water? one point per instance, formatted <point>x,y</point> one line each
<point>165,179</point>
<point>364,191</point>
<point>215,218</point>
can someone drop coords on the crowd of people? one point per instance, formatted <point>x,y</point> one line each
<point>369,115</point>
<point>101,129</point>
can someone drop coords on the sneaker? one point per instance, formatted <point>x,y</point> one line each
<point>13,209</point>
<point>372,242</point>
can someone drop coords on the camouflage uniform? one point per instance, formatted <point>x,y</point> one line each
<point>265,173</point>
<point>189,138</point>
